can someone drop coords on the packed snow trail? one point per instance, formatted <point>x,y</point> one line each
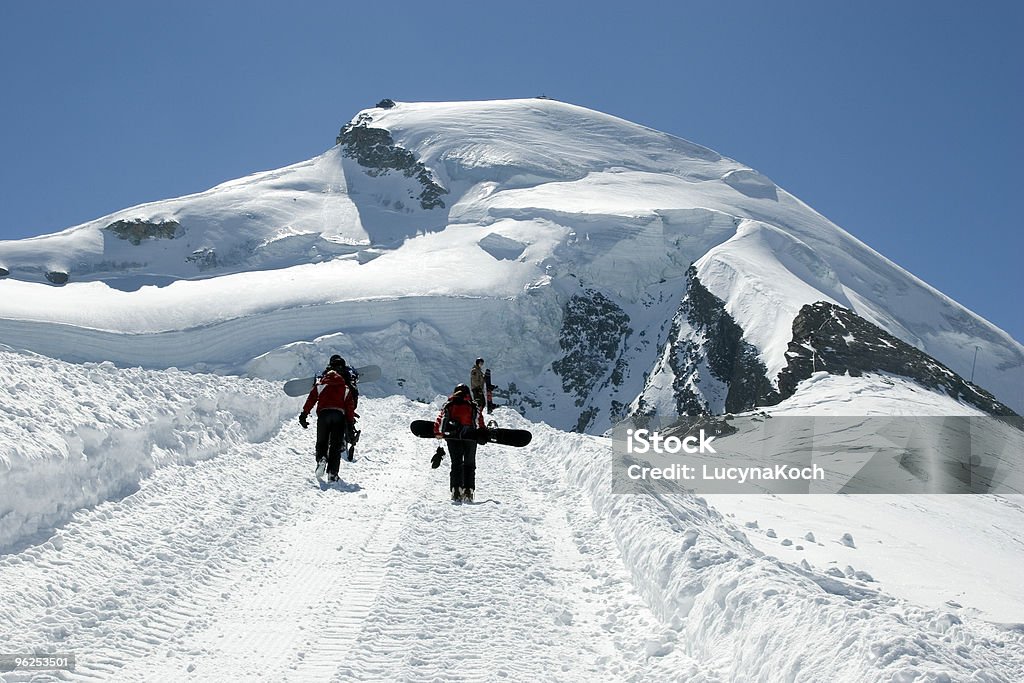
<point>243,567</point>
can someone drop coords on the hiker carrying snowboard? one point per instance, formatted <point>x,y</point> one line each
<point>335,403</point>
<point>338,364</point>
<point>351,375</point>
<point>476,382</point>
<point>461,417</point>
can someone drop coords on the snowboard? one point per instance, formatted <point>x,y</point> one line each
<point>302,385</point>
<point>489,391</point>
<point>505,437</point>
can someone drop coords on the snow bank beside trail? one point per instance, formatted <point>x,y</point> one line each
<point>754,617</point>
<point>939,551</point>
<point>72,436</point>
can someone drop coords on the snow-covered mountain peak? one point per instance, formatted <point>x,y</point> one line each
<point>536,137</point>
<point>554,240</point>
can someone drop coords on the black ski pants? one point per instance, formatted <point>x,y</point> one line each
<point>331,427</point>
<point>479,398</point>
<point>463,455</point>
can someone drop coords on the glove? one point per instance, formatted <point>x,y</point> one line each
<point>435,462</point>
<point>303,421</point>
<point>483,436</point>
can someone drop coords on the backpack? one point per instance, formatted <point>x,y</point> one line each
<point>453,428</point>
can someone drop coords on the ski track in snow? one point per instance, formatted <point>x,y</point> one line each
<point>243,567</point>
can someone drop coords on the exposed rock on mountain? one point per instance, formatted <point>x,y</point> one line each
<point>730,359</point>
<point>594,331</point>
<point>57,277</point>
<point>375,149</point>
<point>713,369</point>
<point>137,230</point>
<point>830,338</point>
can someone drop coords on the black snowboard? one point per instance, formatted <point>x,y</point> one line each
<point>505,437</point>
<point>302,385</point>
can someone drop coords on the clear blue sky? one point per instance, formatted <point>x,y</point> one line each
<point>900,121</point>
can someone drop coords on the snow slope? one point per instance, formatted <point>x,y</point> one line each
<point>544,201</point>
<point>924,548</point>
<point>240,566</point>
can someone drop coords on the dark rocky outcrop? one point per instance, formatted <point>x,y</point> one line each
<point>205,259</point>
<point>138,229</point>
<point>833,339</point>
<point>692,426</point>
<point>684,359</point>
<point>719,342</point>
<point>594,330</point>
<point>386,103</point>
<point>375,150</point>
<point>4,272</point>
<point>57,277</point>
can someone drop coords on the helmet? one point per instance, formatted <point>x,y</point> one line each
<point>336,362</point>
<point>460,389</point>
<point>479,361</point>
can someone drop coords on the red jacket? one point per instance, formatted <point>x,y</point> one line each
<point>461,410</point>
<point>331,393</point>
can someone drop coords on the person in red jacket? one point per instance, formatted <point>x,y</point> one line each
<point>335,417</point>
<point>459,420</point>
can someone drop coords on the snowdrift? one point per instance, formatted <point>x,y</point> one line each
<point>74,436</point>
